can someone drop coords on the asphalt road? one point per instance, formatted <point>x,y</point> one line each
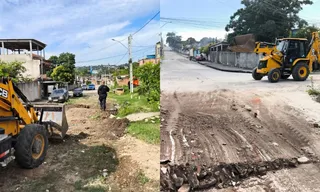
<point>181,75</point>
<point>212,116</point>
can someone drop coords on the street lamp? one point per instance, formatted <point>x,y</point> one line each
<point>130,60</point>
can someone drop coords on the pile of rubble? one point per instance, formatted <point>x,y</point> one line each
<point>190,177</point>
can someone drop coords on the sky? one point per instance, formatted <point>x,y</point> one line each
<point>217,12</point>
<point>84,27</point>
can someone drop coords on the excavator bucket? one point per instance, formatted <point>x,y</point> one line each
<point>53,116</point>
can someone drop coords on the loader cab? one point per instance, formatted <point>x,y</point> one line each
<point>292,49</point>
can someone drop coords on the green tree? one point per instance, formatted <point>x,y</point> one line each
<point>62,73</point>
<point>13,69</point>
<point>67,60</point>
<point>306,32</point>
<point>54,62</point>
<point>266,19</point>
<point>174,41</point>
<point>191,41</point>
<point>149,77</point>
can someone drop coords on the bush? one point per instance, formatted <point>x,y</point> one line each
<point>149,76</point>
<point>14,70</point>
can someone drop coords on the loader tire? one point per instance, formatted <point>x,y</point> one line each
<point>31,147</point>
<point>300,72</point>
<point>274,75</point>
<point>255,75</point>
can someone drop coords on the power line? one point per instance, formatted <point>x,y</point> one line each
<point>87,61</point>
<point>121,58</point>
<point>146,23</point>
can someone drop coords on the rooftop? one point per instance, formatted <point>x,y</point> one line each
<point>15,44</point>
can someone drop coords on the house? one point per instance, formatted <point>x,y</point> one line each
<point>149,59</point>
<point>124,80</point>
<point>29,51</point>
<point>222,46</point>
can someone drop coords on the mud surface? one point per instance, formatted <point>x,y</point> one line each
<point>87,159</point>
<point>226,127</point>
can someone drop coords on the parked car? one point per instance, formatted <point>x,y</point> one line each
<point>59,95</point>
<point>78,92</point>
<point>91,87</point>
<point>200,58</point>
<point>84,87</point>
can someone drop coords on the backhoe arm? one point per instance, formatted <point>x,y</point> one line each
<point>10,102</point>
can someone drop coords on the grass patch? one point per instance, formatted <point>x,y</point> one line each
<point>146,131</point>
<point>313,91</point>
<point>142,178</point>
<point>83,186</point>
<point>132,105</point>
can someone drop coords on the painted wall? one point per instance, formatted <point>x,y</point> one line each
<point>32,66</point>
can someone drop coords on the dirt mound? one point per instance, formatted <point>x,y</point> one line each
<point>112,128</point>
<point>220,176</point>
<point>69,106</point>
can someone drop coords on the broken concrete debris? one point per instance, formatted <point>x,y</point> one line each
<point>188,178</point>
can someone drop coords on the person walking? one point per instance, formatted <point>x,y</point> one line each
<point>103,93</point>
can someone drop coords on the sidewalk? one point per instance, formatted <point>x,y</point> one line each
<point>225,68</point>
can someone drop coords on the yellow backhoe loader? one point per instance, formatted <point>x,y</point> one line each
<point>25,128</point>
<point>264,47</point>
<point>292,56</point>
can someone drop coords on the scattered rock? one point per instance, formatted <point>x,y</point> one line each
<point>153,122</point>
<point>275,144</point>
<point>164,170</point>
<point>162,119</point>
<point>146,120</point>
<point>248,108</point>
<point>303,160</point>
<point>104,174</point>
<point>112,116</point>
<point>184,188</point>
<point>255,115</point>
<point>47,190</point>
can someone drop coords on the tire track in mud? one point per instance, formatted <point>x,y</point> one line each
<point>226,127</point>
<point>169,150</point>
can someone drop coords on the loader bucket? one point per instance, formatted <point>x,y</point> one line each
<point>243,43</point>
<point>53,116</point>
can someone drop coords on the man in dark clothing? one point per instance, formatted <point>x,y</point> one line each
<point>103,93</point>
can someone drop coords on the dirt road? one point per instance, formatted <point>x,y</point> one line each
<point>210,122</point>
<point>96,155</point>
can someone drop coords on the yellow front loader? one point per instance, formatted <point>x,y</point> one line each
<point>264,47</point>
<point>25,128</point>
<point>292,56</point>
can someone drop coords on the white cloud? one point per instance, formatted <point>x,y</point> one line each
<point>80,28</point>
<point>143,43</point>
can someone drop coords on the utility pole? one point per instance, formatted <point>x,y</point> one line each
<point>130,64</point>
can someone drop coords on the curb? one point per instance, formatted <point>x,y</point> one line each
<point>225,70</point>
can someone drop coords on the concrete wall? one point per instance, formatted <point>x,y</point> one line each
<point>31,90</point>
<point>32,66</point>
<point>241,60</point>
